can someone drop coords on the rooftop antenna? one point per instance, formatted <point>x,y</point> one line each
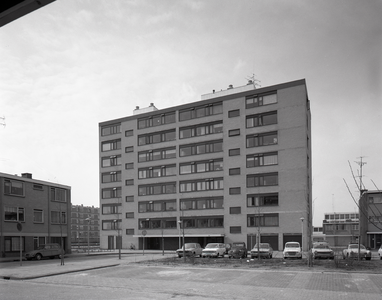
<point>252,80</point>
<point>361,163</point>
<point>3,122</point>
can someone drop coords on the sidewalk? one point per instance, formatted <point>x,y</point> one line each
<point>10,267</point>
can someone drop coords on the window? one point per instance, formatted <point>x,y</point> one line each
<point>129,149</point>
<point>157,189</point>
<point>153,206</point>
<point>201,185</point>
<point>110,161</point>
<point>201,111</point>
<point>12,243</point>
<point>201,166</point>
<point>129,166</point>
<point>263,200</point>
<point>202,148</point>
<point>130,231</point>
<point>129,133</point>
<point>38,187</point>
<point>234,132</point>
<point>16,214</point>
<point>130,215</point>
<point>158,154</point>
<point>262,159</point>
<point>12,187</point>
<point>235,229</point>
<point>235,210</point>
<point>158,171</point>
<point>58,217</point>
<point>201,203</point>
<point>111,145</point>
<point>161,223</point>
<point>157,137</point>
<point>203,222</point>
<point>111,224</point>
<point>57,194</point>
<point>262,119</point>
<point>111,193</point>
<point>234,113</point>
<point>255,180</point>
<point>201,129</point>
<point>129,182</point>
<point>234,171</point>
<point>235,191</point>
<point>111,129</point>
<point>38,216</point>
<point>260,100</point>
<point>112,208</point>
<point>111,177</point>
<point>263,220</point>
<point>234,152</point>
<point>263,139</point>
<point>156,120</point>
<point>129,198</point>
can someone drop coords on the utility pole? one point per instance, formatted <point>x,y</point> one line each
<point>361,189</point>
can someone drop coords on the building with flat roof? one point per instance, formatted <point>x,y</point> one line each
<point>370,214</point>
<point>341,229</point>
<point>84,225</point>
<point>231,167</point>
<point>39,208</point>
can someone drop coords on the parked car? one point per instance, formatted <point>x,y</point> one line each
<point>352,252</point>
<point>238,250</point>
<point>380,252</point>
<point>227,247</point>
<point>213,250</point>
<point>292,250</point>
<point>47,250</point>
<point>263,250</point>
<point>190,249</point>
<point>322,250</point>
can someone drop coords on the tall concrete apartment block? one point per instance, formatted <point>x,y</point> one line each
<point>232,167</point>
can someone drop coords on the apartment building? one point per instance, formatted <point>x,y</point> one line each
<point>370,206</point>
<point>35,211</point>
<point>341,229</point>
<point>84,225</point>
<point>234,166</point>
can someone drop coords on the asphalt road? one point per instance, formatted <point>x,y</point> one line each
<point>133,281</point>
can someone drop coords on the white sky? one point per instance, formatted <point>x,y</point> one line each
<point>74,63</point>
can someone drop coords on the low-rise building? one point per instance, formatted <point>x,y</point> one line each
<point>32,212</point>
<point>340,229</point>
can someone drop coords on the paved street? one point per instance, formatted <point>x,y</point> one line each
<point>128,280</point>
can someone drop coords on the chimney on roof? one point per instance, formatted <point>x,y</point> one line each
<point>230,87</point>
<point>151,104</point>
<point>26,175</point>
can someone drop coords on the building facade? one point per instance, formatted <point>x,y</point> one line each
<point>84,225</point>
<point>39,208</point>
<point>370,206</point>
<point>232,167</point>
<point>340,229</point>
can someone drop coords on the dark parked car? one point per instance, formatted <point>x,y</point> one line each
<point>238,250</point>
<point>47,250</point>
<point>264,249</point>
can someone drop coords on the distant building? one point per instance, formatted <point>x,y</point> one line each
<point>85,220</point>
<point>318,235</point>
<point>227,168</point>
<point>39,208</point>
<point>370,206</point>
<point>340,229</point>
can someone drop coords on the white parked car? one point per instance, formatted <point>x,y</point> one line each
<point>292,250</point>
<point>352,252</point>
<point>214,250</point>
<point>190,249</point>
<point>380,252</point>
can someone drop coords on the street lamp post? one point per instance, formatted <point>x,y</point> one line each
<point>181,224</point>
<point>302,234</point>
<point>88,219</point>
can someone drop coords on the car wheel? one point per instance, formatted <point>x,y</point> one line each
<point>38,256</point>
<point>368,258</point>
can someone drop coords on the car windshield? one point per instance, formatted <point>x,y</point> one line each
<point>188,246</point>
<point>212,246</point>
<point>355,246</point>
<point>262,246</point>
<point>238,244</point>
<point>292,245</point>
<point>321,247</point>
